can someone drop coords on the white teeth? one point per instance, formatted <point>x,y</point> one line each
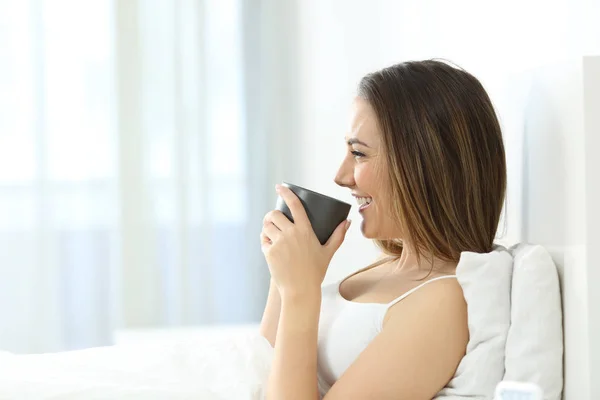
<point>364,200</point>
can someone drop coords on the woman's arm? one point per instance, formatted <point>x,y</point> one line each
<point>298,263</point>
<point>270,319</point>
<point>294,369</point>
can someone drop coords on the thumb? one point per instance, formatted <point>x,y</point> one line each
<point>337,238</point>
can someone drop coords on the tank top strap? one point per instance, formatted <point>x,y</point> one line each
<point>411,291</point>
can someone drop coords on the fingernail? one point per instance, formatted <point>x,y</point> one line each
<point>277,187</point>
<point>348,222</point>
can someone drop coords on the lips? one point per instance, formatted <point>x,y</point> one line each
<point>363,202</point>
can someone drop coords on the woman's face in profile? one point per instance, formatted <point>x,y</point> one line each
<point>363,172</point>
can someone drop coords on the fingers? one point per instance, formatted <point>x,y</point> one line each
<point>338,236</point>
<point>264,239</point>
<point>294,204</point>
<point>278,219</point>
<point>271,232</point>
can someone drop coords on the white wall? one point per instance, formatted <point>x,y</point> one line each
<point>504,44</point>
<point>560,194</point>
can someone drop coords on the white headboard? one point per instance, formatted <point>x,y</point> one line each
<point>559,199</point>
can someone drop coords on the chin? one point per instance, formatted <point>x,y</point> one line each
<point>366,232</point>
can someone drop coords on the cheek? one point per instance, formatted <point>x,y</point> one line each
<point>364,176</point>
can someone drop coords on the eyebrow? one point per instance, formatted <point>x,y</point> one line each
<point>352,141</point>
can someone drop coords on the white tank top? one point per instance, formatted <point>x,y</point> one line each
<point>346,328</point>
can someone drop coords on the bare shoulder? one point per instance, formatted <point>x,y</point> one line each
<point>436,314</point>
<point>439,311</point>
<point>446,291</point>
<point>442,298</point>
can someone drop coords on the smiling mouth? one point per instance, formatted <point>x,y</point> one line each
<point>364,202</point>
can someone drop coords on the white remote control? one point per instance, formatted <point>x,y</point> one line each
<point>507,390</point>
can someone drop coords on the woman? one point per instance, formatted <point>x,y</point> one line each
<point>426,163</point>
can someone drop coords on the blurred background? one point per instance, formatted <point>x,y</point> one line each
<point>140,141</point>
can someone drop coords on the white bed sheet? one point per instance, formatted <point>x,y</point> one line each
<point>166,335</point>
<point>206,363</point>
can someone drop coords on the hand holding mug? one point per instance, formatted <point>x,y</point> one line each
<point>296,258</point>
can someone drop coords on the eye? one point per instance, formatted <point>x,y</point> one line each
<point>357,154</point>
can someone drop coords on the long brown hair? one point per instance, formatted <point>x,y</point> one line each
<point>444,154</point>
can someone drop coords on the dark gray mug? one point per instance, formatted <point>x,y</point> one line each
<point>325,213</point>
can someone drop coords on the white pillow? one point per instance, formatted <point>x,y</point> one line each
<point>485,280</point>
<point>534,346</point>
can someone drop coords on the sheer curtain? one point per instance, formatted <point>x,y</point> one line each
<point>139,141</point>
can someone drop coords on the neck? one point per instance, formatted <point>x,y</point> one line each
<point>408,260</point>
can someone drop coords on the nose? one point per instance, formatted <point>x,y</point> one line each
<point>345,174</point>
